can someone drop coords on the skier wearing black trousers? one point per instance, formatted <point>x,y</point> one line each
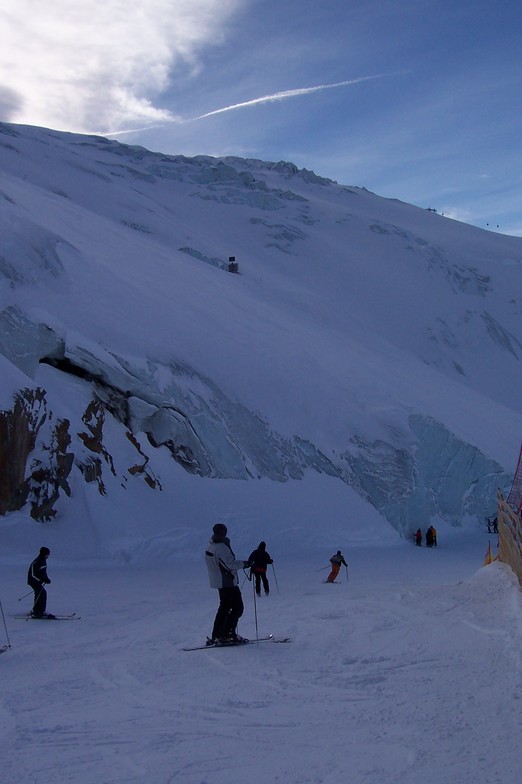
<point>37,578</point>
<point>222,568</point>
<point>259,560</point>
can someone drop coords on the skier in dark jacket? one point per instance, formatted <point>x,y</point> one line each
<point>222,568</point>
<point>259,560</point>
<point>418,538</point>
<point>37,578</point>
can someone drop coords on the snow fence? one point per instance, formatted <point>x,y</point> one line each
<point>509,536</point>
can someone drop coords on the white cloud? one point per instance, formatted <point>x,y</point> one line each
<point>99,64</point>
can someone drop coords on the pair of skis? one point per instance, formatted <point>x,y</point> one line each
<point>269,638</point>
<point>49,617</point>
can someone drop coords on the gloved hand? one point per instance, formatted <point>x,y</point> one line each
<point>246,564</point>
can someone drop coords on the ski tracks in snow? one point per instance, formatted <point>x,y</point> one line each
<point>381,684</point>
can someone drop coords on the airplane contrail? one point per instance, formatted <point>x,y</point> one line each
<point>280,96</point>
<point>284,94</point>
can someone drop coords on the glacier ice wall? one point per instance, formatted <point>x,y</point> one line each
<point>435,475</point>
<point>416,476</point>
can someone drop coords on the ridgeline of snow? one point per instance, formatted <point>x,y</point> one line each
<point>362,369</point>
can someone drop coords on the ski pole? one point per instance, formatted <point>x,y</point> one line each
<point>322,568</point>
<point>5,626</point>
<point>347,578</point>
<point>24,596</point>
<point>275,578</point>
<point>255,611</point>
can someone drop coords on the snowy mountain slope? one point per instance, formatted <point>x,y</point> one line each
<point>365,339</point>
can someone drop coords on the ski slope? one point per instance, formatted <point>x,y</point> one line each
<point>407,673</point>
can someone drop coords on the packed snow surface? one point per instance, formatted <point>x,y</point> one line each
<point>408,672</point>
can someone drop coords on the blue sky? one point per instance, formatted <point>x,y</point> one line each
<point>427,107</point>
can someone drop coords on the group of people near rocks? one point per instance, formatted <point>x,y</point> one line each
<point>431,537</point>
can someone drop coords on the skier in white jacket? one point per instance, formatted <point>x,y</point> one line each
<point>222,568</point>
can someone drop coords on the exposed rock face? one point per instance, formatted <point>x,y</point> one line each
<point>93,418</point>
<point>417,473</point>
<point>19,430</point>
<point>38,455</point>
<point>47,479</point>
<point>423,472</point>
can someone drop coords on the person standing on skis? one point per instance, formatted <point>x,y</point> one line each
<point>259,560</point>
<point>37,578</point>
<point>336,561</point>
<point>222,568</point>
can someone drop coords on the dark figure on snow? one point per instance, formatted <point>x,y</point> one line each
<point>336,561</point>
<point>495,525</point>
<point>433,536</point>
<point>429,538</point>
<point>222,568</point>
<point>259,560</point>
<point>418,538</point>
<point>37,578</point>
